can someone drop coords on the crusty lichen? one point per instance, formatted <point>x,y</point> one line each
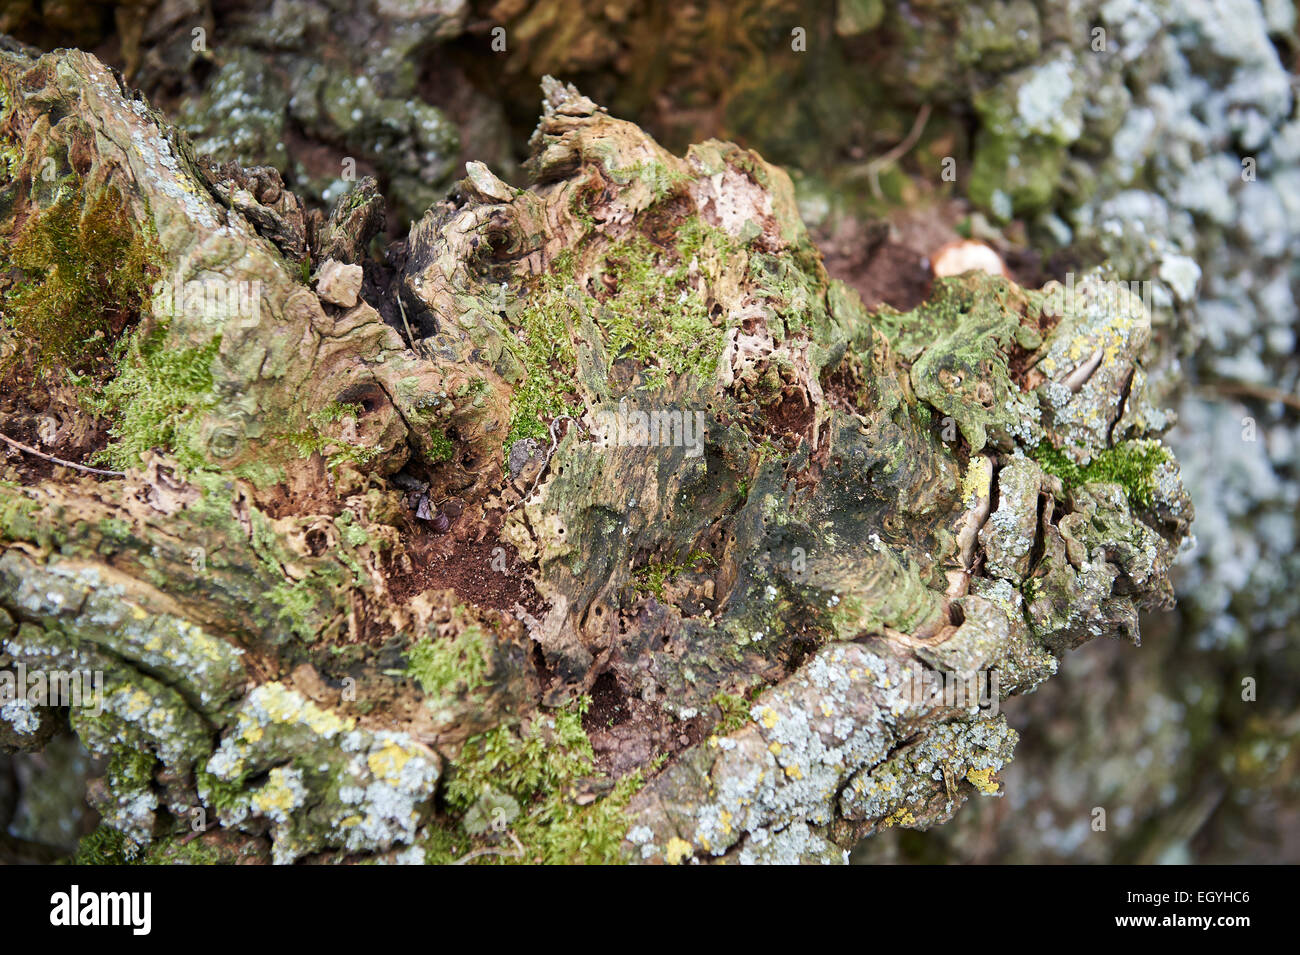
<point>327,783</point>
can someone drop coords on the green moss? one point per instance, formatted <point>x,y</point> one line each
<point>336,452</point>
<point>549,753</point>
<point>441,666</point>
<point>181,852</point>
<point>106,846</point>
<point>661,180</point>
<point>334,411</point>
<point>220,794</point>
<point>260,473</point>
<point>651,314</point>
<point>949,303</point>
<point>545,351</point>
<point>443,845</point>
<point>654,315</point>
<point>440,447</point>
<point>734,710</point>
<point>1131,465</point>
<point>561,832</point>
<point>11,159</point>
<point>157,399</point>
<point>130,770</point>
<point>298,601</point>
<point>651,578</point>
<point>87,274</point>
<point>540,768</point>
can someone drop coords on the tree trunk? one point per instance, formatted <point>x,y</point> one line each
<point>594,523</point>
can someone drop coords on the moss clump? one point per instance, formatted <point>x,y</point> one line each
<point>651,578</point>
<point>653,313</point>
<point>87,275</point>
<point>661,180</point>
<point>335,411</point>
<point>442,665</point>
<point>549,753</point>
<point>158,396</point>
<point>1131,465</point>
<point>440,448</point>
<point>545,349</point>
<point>130,770</point>
<point>539,769</point>
<point>336,452</point>
<point>106,846</point>
<point>734,710</point>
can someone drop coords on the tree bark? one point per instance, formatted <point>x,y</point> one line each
<point>294,655</point>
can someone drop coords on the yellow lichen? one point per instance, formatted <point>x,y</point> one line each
<point>677,851</point>
<point>982,779</point>
<point>388,762</point>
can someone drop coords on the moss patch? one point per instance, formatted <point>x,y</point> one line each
<point>156,400</point>
<point>528,781</point>
<point>734,710</point>
<point>651,578</point>
<point>336,451</point>
<point>106,846</point>
<point>440,448</point>
<point>443,665</point>
<point>650,310</point>
<point>87,274</point>
<point>1131,465</point>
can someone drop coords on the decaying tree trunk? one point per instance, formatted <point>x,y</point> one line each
<point>595,523</point>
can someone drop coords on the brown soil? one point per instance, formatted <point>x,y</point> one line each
<point>790,418</point>
<point>25,397</point>
<point>887,262</point>
<point>627,732</point>
<point>462,561</point>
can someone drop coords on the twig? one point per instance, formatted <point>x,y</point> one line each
<point>493,851</point>
<point>549,454</point>
<point>415,346</point>
<point>67,464</point>
<point>872,168</point>
<point>1242,389</point>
